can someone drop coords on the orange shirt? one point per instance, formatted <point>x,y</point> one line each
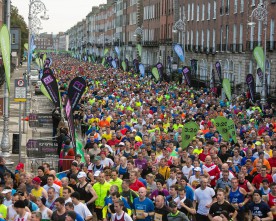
<point>58,182</point>
<point>104,123</point>
<point>265,162</point>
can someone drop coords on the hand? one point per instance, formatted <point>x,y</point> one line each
<point>134,217</point>
<point>146,214</point>
<point>256,218</point>
<point>208,205</point>
<point>241,204</point>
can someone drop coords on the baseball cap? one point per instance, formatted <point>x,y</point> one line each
<point>5,191</point>
<point>258,143</point>
<point>172,204</point>
<point>81,174</point>
<point>20,166</point>
<point>36,180</point>
<point>197,169</point>
<point>121,144</point>
<point>97,173</point>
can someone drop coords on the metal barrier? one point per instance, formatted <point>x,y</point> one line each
<point>31,164</point>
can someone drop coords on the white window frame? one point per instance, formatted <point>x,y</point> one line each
<point>241,36</point>
<point>222,8</point>
<point>202,38</point>
<point>188,14</point>
<point>271,37</point>
<point>209,11</point>
<point>253,3</point>
<point>197,12</point>
<point>235,6</point>
<point>208,40</point>
<point>215,10</point>
<point>192,37</point>
<point>197,40</point>
<point>242,6</point>
<point>228,7</point>
<point>192,11</point>
<point>214,38</point>
<point>203,12</point>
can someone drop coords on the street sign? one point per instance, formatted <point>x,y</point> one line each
<point>40,120</point>
<point>42,148</point>
<point>20,90</point>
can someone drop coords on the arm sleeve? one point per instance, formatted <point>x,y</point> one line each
<point>104,212</point>
<point>184,217</point>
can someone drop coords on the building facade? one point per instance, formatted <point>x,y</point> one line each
<point>215,30</point>
<point>44,42</point>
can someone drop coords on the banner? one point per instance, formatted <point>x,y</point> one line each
<point>117,50</point>
<point>70,120</point>
<point>189,130</point>
<point>127,64</point>
<point>227,88</point>
<point>47,62</point>
<point>179,51</point>
<point>124,65</point>
<point>136,65</point>
<point>6,53</point>
<point>50,83</point>
<point>45,92</point>
<point>160,69</point>
<point>31,48</point>
<point>259,57</point>
<point>221,125</point>
<point>113,63</point>
<point>232,130</point>
<point>142,70</point>
<point>155,73</point>
<point>218,68</point>
<point>139,48</point>
<point>251,85</point>
<point>105,51</point>
<point>193,67</point>
<point>213,79</point>
<point>75,91</point>
<point>260,75</point>
<point>187,74</point>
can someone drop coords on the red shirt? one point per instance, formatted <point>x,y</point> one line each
<point>136,185</point>
<point>213,171</point>
<point>113,142</point>
<point>272,204</point>
<point>202,156</point>
<point>272,161</point>
<point>258,180</point>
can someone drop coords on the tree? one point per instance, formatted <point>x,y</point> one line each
<point>17,21</point>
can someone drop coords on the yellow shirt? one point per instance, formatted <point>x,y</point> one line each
<point>3,211</point>
<point>107,136</point>
<point>197,151</point>
<point>37,193</point>
<point>165,172</point>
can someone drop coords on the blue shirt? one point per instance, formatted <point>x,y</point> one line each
<point>79,218</point>
<point>146,205</point>
<point>189,193</point>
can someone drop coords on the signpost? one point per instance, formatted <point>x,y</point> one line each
<point>42,148</point>
<point>20,95</point>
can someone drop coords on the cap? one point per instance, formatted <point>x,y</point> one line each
<point>121,144</point>
<point>197,169</point>
<point>97,173</point>
<point>72,214</point>
<point>19,204</point>
<point>229,161</point>
<point>97,158</point>
<point>5,191</point>
<point>258,143</point>
<point>172,204</point>
<point>36,180</point>
<point>103,152</point>
<point>20,166</point>
<point>258,192</point>
<point>74,163</point>
<point>81,174</point>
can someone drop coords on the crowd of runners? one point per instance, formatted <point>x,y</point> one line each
<point>135,166</point>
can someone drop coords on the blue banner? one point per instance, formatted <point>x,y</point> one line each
<point>31,48</point>
<point>179,51</point>
<point>114,65</point>
<point>142,70</point>
<point>117,50</point>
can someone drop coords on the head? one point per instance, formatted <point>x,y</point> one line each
<point>66,192</point>
<point>203,183</point>
<point>159,201</point>
<point>102,178</point>
<point>142,192</point>
<point>51,193</point>
<point>75,198</point>
<point>50,179</point>
<point>36,216</point>
<point>220,195</point>
<point>118,206</point>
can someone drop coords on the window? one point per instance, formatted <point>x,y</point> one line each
<point>188,15</point>
<point>13,39</point>
<point>215,10</point>
<point>208,40</point>
<point>227,7</point>
<point>222,7</point>
<point>188,38</point>
<point>234,37</point>
<point>209,11</point>
<point>214,39</point>
<point>203,12</point>
<point>192,10</point>
<point>197,40</point>
<point>235,6</point>
<point>221,37</point>
<point>197,13</point>
<point>202,38</point>
<point>242,6</point>
<point>272,26</point>
<point>227,37</point>
<point>192,37</point>
<point>253,3</point>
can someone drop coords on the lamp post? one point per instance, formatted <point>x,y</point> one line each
<point>260,13</point>
<point>117,37</point>
<point>138,33</point>
<point>35,7</point>
<point>102,37</point>
<point>179,26</point>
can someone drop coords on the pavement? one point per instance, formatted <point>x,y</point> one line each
<point>39,104</point>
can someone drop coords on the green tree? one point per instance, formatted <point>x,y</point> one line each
<point>17,21</point>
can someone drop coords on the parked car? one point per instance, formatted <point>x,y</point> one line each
<point>33,77</point>
<point>37,88</point>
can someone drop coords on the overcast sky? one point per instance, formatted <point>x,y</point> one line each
<point>63,13</point>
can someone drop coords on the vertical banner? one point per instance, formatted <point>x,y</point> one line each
<point>117,50</point>
<point>142,70</point>
<point>189,130</point>
<point>50,83</point>
<point>117,62</point>
<point>187,74</point>
<point>47,62</point>
<point>227,88</point>
<point>139,49</point>
<point>155,73</point>
<point>213,79</point>
<point>251,85</point>
<point>124,65</point>
<point>221,125</point>
<point>179,51</point>
<point>127,64</point>
<point>260,75</point>
<point>160,69</point>
<point>136,65</point>
<point>218,68</point>
<point>193,67</point>
<point>6,53</point>
<point>75,91</point>
<point>105,51</point>
<point>31,48</point>
<point>113,63</point>
<point>232,130</point>
<point>259,57</point>
<point>70,120</point>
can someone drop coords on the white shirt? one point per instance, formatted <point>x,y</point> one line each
<point>107,162</point>
<point>126,217</point>
<point>68,200</point>
<point>82,210</point>
<point>186,170</point>
<point>204,197</point>
<point>171,182</point>
<point>55,186</point>
<point>7,202</point>
<point>12,213</point>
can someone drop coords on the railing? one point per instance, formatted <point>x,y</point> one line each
<point>150,43</point>
<point>271,45</point>
<point>250,45</point>
<point>130,43</point>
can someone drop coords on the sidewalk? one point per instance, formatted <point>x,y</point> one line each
<point>28,132</point>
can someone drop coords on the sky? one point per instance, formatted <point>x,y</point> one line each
<point>63,14</point>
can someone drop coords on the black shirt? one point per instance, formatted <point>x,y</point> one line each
<point>259,209</point>
<point>56,217</point>
<point>164,211</point>
<point>217,209</point>
<point>189,204</point>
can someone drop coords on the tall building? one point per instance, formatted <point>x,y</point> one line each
<point>44,42</point>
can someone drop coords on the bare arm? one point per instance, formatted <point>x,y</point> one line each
<point>94,194</point>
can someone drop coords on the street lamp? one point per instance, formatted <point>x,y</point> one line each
<point>138,33</point>
<point>102,37</point>
<point>179,26</point>
<point>260,14</point>
<point>35,7</point>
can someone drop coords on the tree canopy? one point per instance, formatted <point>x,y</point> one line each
<point>17,21</point>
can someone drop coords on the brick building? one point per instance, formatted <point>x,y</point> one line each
<point>215,30</point>
<point>44,42</point>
